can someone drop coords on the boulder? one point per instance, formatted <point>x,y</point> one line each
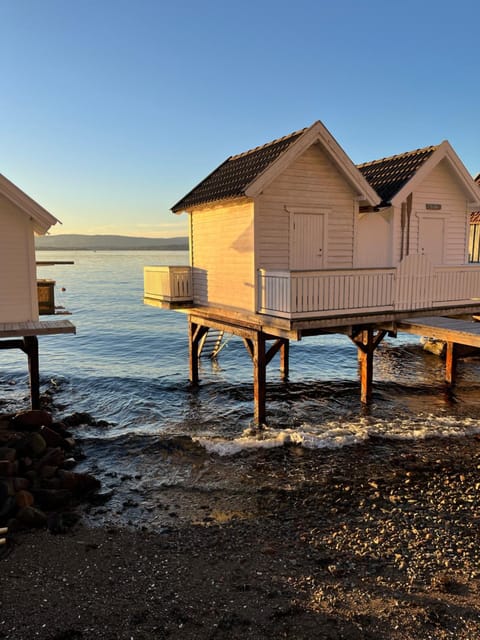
<point>78,482</point>
<point>8,468</point>
<point>24,499</point>
<point>31,517</point>
<point>31,420</point>
<point>8,453</point>
<point>52,438</point>
<point>36,444</point>
<point>51,499</point>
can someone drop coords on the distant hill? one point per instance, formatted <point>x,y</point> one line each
<point>78,242</point>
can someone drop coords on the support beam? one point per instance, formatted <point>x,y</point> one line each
<point>367,341</point>
<point>285,360</point>
<point>195,334</point>
<point>30,347</point>
<point>451,359</point>
<point>259,378</point>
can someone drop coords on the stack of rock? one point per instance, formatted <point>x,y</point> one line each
<point>37,485</point>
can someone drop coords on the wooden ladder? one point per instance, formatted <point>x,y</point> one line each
<point>212,343</point>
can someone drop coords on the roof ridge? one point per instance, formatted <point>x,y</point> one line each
<point>268,144</point>
<point>399,155</point>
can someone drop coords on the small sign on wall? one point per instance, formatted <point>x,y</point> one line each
<point>433,207</point>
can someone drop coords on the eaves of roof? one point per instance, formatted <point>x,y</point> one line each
<point>235,174</point>
<point>42,219</point>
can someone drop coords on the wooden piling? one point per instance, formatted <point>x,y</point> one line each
<point>30,347</point>
<point>259,377</point>
<point>451,359</point>
<point>366,340</point>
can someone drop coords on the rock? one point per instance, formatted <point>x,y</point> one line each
<point>36,444</point>
<point>8,453</point>
<point>78,482</point>
<point>48,471</point>
<point>31,420</point>
<point>15,484</point>
<point>51,499</point>
<point>32,517</point>
<point>8,468</point>
<point>52,438</point>
<point>69,463</point>
<point>53,457</point>
<point>77,419</point>
<point>24,499</point>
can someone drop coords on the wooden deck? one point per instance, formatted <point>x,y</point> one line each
<point>24,336</point>
<point>441,328</point>
<point>40,328</point>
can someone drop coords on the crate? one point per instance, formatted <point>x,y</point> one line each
<point>46,297</point>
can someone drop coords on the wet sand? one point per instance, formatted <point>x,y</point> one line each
<point>378,540</point>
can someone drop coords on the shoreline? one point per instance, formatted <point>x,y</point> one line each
<point>377,540</point>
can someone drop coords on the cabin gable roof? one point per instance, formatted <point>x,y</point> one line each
<point>388,175</point>
<point>231,178</point>
<point>41,218</point>
<point>378,183</point>
<point>247,174</point>
<point>394,178</point>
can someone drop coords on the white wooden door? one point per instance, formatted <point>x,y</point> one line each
<point>431,238</point>
<point>307,250</point>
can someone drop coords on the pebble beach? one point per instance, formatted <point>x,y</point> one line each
<point>375,540</point>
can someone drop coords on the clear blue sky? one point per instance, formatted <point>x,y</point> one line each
<point>110,111</point>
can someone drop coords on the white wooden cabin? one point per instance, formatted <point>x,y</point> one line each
<point>291,239</point>
<point>20,219</point>
<point>293,229</point>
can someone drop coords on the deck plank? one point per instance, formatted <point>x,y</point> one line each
<point>39,328</point>
<point>441,328</point>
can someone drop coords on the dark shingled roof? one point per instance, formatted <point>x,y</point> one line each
<point>388,175</point>
<point>233,176</point>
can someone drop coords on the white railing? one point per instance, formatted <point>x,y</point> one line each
<point>168,284</point>
<point>307,293</point>
<point>413,285</point>
<point>456,284</point>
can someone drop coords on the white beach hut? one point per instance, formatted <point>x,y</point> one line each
<point>20,219</point>
<point>291,239</point>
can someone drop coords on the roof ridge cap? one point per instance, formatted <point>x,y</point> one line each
<point>399,155</point>
<point>267,144</point>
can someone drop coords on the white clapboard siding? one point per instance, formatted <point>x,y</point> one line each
<point>18,286</point>
<point>311,183</point>
<point>222,256</point>
<point>442,188</point>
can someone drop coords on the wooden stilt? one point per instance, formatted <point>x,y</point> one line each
<point>30,347</point>
<point>367,341</point>
<point>365,357</point>
<point>451,359</point>
<point>285,360</point>
<point>259,377</point>
<point>195,334</point>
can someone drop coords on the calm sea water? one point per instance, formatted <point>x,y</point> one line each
<point>128,365</point>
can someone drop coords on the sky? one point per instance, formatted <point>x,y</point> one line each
<point>112,110</point>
